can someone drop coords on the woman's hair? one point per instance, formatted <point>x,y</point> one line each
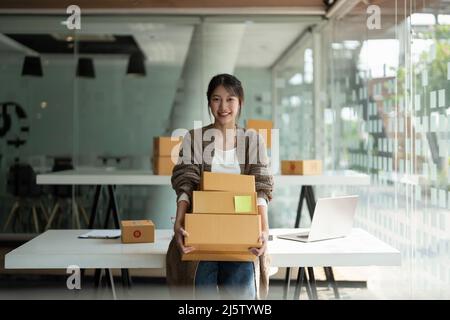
<point>230,83</point>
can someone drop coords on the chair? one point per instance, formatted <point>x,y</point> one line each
<point>21,183</point>
<point>62,195</point>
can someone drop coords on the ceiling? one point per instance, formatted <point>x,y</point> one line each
<point>162,43</point>
<point>173,6</point>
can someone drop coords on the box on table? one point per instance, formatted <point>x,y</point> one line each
<point>137,231</point>
<point>225,236</point>
<point>212,181</point>
<point>163,166</point>
<point>162,146</point>
<point>220,202</point>
<point>261,125</point>
<point>301,167</point>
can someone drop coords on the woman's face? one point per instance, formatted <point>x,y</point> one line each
<point>224,106</point>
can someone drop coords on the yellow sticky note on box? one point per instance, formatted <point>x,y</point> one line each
<point>243,204</point>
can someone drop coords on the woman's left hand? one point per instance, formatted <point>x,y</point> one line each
<point>263,238</point>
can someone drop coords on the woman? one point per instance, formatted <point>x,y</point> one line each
<point>232,151</point>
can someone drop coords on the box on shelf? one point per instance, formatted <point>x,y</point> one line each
<point>163,166</point>
<point>260,125</point>
<point>301,167</point>
<point>212,181</point>
<point>221,202</point>
<point>137,231</point>
<point>162,146</point>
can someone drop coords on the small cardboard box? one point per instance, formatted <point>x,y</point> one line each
<point>212,181</point>
<point>301,167</point>
<point>222,232</point>
<point>162,146</point>
<point>163,166</point>
<point>137,231</point>
<point>220,202</point>
<point>260,126</point>
<point>218,256</point>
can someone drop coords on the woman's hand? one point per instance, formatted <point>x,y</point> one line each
<point>263,238</point>
<point>180,233</point>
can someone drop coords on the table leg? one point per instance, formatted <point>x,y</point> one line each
<point>311,201</point>
<point>111,282</point>
<point>287,282</point>
<point>297,224</point>
<point>299,284</point>
<point>98,189</point>
<point>115,207</point>
<point>312,282</point>
<point>126,278</point>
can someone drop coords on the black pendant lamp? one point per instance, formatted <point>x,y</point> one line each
<point>32,66</point>
<point>85,68</point>
<point>136,66</point>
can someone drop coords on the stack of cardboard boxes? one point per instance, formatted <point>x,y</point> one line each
<point>225,222</point>
<point>301,167</point>
<point>163,149</point>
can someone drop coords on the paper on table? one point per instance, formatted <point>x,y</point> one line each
<point>243,204</point>
<point>101,234</point>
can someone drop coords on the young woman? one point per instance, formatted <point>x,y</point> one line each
<point>233,150</point>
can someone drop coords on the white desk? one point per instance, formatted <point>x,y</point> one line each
<point>96,176</point>
<point>328,178</point>
<point>99,176</point>
<point>110,178</point>
<point>57,249</point>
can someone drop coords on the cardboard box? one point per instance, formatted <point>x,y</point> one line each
<point>212,181</point>
<point>163,166</point>
<point>216,256</point>
<point>220,202</point>
<point>137,231</point>
<point>301,167</point>
<point>162,146</point>
<point>261,125</point>
<point>222,232</point>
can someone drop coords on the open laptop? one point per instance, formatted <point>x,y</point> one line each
<point>333,218</point>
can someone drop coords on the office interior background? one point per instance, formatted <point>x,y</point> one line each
<point>360,96</point>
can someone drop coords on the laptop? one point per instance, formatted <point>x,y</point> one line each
<point>333,218</point>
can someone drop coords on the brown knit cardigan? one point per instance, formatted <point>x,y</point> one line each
<point>186,179</point>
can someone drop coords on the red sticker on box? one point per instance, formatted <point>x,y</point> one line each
<point>137,234</point>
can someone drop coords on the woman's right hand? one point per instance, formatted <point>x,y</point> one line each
<point>180,233</point>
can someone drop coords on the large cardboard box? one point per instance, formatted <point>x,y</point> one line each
<point>220,202</point>
<point>260,126</point>
<point>301,167</point>
<point>218,256</point>
<point>137,231</point>
<point>216,233</point>
<point>162,146</point>
<point>163,166</point>
<point>212,181</point>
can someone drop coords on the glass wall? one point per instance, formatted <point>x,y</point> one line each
<point>386,113</point>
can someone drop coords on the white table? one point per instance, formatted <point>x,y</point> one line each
<point>112,177</point>
<point>58,249</point>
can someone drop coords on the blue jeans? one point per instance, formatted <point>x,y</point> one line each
<point>230,280</point>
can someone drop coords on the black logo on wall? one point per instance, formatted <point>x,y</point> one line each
<point>12,113</point>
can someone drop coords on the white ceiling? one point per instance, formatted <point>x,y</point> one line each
<point>168,44</point>
<point>264,43</point>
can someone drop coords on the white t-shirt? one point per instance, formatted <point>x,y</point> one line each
<point>225,161</point>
